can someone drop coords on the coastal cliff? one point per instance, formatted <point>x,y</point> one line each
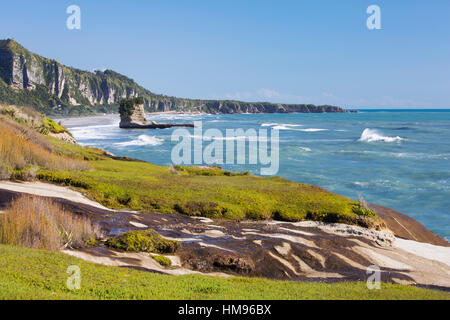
<point>52,88</point>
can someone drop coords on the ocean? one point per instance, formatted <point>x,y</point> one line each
<point>395,158</point>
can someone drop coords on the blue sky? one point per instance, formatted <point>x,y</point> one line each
<point>302,51</point>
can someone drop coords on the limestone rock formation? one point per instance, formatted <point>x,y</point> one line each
<point>132,116</point>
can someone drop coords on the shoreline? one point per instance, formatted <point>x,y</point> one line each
<point>102,119</point>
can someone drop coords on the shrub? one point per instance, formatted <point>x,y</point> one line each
<point>37,222</point>
<point>200,208</point>
<point>164,261</point>
<point>362,209</point>
<point>126,105</point>
<point>143,241</point>
<point>26,174</point>
<point>207,171</point>
<point>50,126</point>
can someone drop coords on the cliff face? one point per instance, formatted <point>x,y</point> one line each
<point>136,118</point>
<point>132,115</point>
<point>29,79</point>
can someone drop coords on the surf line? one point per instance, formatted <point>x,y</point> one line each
<point>235,152</point>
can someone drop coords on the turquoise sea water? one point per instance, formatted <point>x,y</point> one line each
<point>399,159</point>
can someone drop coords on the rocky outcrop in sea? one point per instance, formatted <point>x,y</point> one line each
<point>132,116</point>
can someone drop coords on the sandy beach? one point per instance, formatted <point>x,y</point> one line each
<point>109,118</point>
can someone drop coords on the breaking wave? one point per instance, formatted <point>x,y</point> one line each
<point>281,126</point>
<point>142,140</point>
<point>370,135</point>
<point>312,130</point>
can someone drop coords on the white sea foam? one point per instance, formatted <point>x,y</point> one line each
<point>178,116</point>
<point>287,126</point>
<point>269,124</point>
<point>281,126</point>
<point>242,138</point>
<point>312,130</point>
<point>94,132</point>
<point>142,140</point>
<point>371,135</point>
<point>305,149</point>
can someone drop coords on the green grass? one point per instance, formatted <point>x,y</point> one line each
<point>209,192</point>
<point>50,126</point>
<point>37,274</point>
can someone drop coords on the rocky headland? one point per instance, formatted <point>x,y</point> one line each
<point>132,116</point>
<point>28,79</point>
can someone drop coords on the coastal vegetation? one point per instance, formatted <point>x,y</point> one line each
<point>126,183</point>
<point>40,223</point>
<point>142,241</point>
<point>196,191</point>
<point>146,187</point>
<point>23,151</point>
<point>162,260</point>
<point>39,274</point>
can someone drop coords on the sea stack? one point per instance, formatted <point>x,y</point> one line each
<point>132,116</point>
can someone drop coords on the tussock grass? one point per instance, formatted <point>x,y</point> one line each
<point>39,223</point>
<point>27,132</point>
<point>22,149</point>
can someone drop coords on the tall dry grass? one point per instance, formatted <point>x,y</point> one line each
<point>37,222</point>
<point>21,147</point>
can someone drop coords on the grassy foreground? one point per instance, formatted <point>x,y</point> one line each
<point>214,193</point>
<point>37,274</point>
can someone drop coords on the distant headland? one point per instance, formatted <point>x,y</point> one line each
<point>28,79</point>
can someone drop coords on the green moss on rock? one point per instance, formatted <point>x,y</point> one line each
<point>163,261</point>
<point>143,241</point>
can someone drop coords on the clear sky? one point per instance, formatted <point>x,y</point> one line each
<point>300,51</point>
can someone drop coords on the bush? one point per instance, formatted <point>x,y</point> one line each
<point>40,223</point>
<point>200,209</point>
<point>26,174</point>
<point>207,171</point>
<point>143,241</point>
<point>50,126</point>
<point>126,106</point>
<point>362,209</point>
<point>164,261</point>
